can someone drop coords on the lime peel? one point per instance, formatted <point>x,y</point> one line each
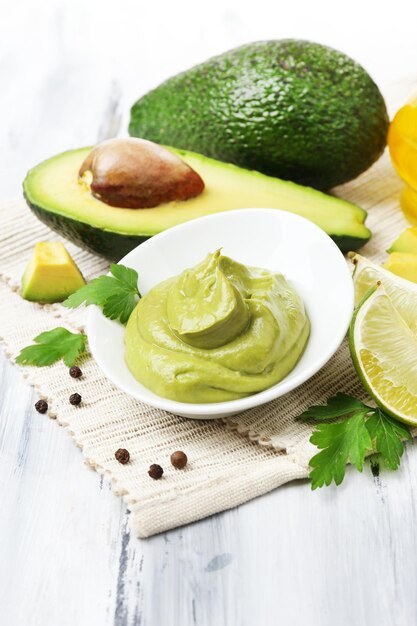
<point>384,352</point>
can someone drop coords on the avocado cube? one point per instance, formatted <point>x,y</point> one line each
<point>50,275</point>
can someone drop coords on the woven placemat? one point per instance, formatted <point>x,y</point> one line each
<point>230,461</point>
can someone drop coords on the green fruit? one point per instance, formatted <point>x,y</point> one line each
<point>406,242</point>
<point>402,292</point>
<point>50,275</point>
<point>292,109</point>
<point>54,193</point>
<point>384,353</point>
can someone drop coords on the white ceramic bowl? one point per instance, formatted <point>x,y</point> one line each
<point>266,238</point>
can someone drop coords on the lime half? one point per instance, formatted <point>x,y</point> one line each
<point>384,353</point>
<point>402,292</point>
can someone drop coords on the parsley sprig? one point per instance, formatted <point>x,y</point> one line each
<point>53,345</point>
<point>116,295</point>
<point>363,429</point>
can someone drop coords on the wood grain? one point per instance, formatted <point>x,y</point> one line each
<point>69,72</point>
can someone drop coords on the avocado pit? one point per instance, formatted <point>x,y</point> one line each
<point>138,174</point>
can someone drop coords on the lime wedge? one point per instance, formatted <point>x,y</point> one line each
<point>384,353</point>
<point>402,292</point>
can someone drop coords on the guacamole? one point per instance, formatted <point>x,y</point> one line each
<point>218,331</point>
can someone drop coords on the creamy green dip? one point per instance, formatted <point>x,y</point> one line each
<point>218,331</point>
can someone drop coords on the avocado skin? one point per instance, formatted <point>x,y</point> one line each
<point>114,246</point>
<point>110,245</point>
<point>292,109</point>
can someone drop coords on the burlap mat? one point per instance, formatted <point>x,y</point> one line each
<point>230,461</point>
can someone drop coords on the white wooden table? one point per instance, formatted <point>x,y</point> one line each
<point>69,71</point>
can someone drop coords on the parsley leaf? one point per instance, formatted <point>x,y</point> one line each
<point>337,406</point>
<point>387,435</point>
<point>363,429</point>
<point>125,275</point>
<point>117,295</point>
<point>95,292</point>
<point>339,443</point>
<point>53,345</point>
<point>120,305</point>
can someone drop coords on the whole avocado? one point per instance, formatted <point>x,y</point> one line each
<point>289,108</point>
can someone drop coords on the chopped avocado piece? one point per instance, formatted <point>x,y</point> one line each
<point>289,108</point>
<point>406,242</point>
<point>57,197</point>
<point>403,264</point>
<point>50,275</point>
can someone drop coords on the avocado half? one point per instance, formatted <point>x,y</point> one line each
<point>54,193</point>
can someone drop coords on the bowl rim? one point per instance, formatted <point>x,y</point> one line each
<point>241,404</point>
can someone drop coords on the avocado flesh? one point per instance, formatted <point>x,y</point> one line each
<point>292,109</point>
<point>50,275</point>
<point>56,196</point>
<point>406,242</point>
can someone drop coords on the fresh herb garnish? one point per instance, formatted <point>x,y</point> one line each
<point>387,434</point>
<point>53,345</point>
<point>364,429</point>
<point>116,295</point>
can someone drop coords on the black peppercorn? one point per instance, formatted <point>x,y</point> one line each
<point>122,455</point>
<point>75,372</point>
<point>179,459</point>
<point>75,399</point>
<point>155,471</point>
<point>41,406</point>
